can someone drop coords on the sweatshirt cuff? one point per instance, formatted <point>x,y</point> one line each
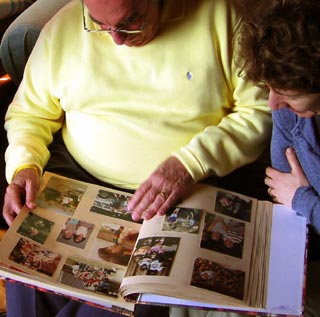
<point>191,163</point>
<point>25,166</point>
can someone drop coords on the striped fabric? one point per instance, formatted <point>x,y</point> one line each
<point>9,8</point>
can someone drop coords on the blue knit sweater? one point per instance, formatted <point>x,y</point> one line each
<point>302,134</point>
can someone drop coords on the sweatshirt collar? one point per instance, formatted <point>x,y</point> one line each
<point>172,10</point>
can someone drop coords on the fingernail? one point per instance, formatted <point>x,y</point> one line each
<point>134,217</point>
<point>31,205</point>
<point>146,216</point>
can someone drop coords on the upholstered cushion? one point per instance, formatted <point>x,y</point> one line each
<point>9,8</point>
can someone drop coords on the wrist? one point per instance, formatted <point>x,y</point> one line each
<point>26,166</point>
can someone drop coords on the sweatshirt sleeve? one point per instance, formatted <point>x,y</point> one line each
<point>33,116</point>
<point>238,139</point>
<point>245,128</point>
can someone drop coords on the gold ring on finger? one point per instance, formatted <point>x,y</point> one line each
<point>164,194</point>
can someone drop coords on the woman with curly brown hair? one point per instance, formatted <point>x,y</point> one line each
<point>279,46</point>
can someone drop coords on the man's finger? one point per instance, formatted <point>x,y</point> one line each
<point>7,212</point>
<point>31,194</point>
<point>13,197</point>
<point>138,196</point>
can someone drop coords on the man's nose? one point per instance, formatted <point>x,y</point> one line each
<point>119,37</point>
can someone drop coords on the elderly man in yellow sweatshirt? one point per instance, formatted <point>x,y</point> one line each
<point>146,94</point>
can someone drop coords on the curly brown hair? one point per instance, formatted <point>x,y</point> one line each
<point>278,44</point>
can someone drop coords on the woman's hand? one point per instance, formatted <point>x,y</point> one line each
<point>282,186</point>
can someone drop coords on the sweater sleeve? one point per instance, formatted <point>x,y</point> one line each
<point>306,200</point>
<point>310,210</point>
<point>283,123</point>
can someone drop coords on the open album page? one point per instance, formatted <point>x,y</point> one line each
<point>77,241</point>
<point>200,251</point>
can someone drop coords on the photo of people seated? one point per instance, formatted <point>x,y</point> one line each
<point>223,234</point>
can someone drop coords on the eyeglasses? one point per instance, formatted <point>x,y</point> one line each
<point>110,29</point>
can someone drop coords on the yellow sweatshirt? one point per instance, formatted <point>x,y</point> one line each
<point>123,110</point>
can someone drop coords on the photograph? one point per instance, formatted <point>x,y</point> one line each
<point>35,257</point>
<point>218,278</point>
<point>153,256</point>
<point>92,277</point>
<point>223,234</point>
<point>35,227</point>
<point>233,206</point>
<point>112,204</point>
<point>114,244</point>
<point>61,195</point>
<point>75,232</point>
<point>183,220</point>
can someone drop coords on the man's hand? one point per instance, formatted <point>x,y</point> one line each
<point>22,191</point>
<point>166,185</point>
<point>282,186</point>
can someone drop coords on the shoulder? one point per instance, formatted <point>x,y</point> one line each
<point>284,118</point>
<point>64,29</point>
<point>68,15</point>
<point>220,12</point>
<point>224,12</point>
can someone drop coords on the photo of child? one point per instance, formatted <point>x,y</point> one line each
<point>183,220</point>
<point>112,204</point>
<point>233,206</point>
<point>153,256</point>
<point>91,276</point>
<point>35,257</point>
<point>62,196</point>
<point>218,278</point>
<point>114,243</point>
<point>75,232</point>
<point>223,234</point>
<point>35,227</point>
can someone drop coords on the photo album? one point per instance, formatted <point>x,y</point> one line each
<point>215,250</point>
